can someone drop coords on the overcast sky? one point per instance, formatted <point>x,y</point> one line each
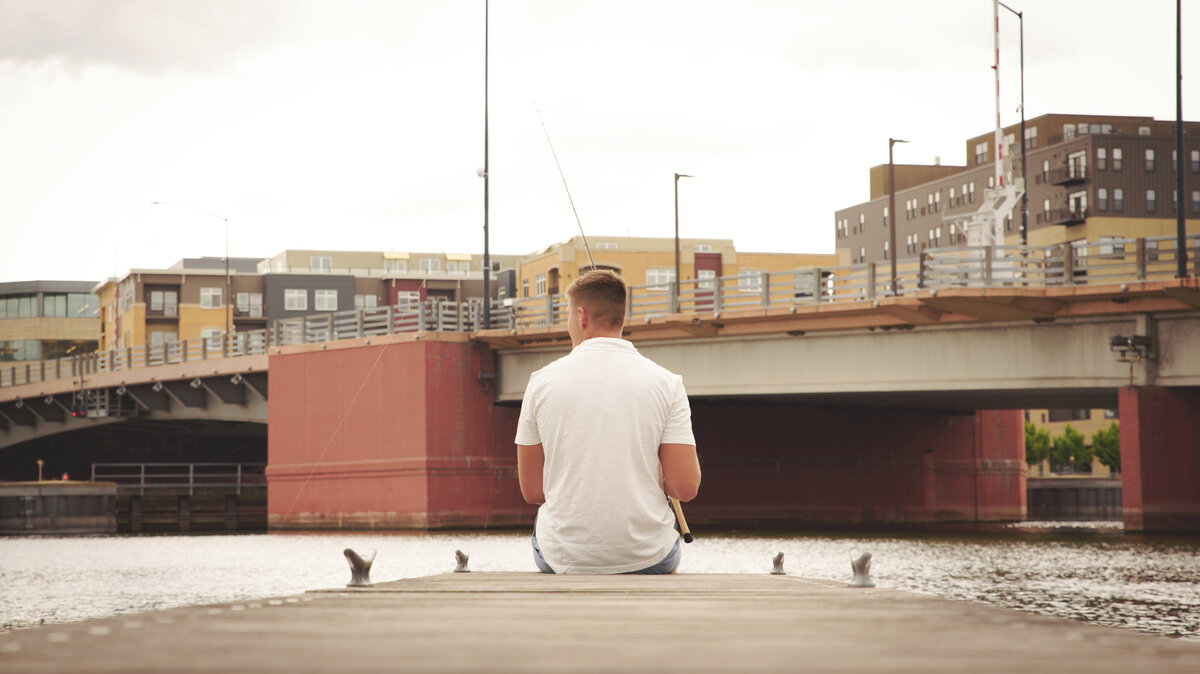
<point>358,124</point>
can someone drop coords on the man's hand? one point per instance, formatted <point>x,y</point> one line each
<point>531,459</point>
<point>681,470</point>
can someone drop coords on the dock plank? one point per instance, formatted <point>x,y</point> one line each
<point>500,622</point>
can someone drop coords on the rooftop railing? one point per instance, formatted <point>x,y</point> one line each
<point>1082,263</point>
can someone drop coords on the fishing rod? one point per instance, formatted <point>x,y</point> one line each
<point>564,182</point>
<point>675,505</point>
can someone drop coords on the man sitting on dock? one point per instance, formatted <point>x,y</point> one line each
<point>602,432</point>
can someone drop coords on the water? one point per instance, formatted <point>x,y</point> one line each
<point>1147,585</point>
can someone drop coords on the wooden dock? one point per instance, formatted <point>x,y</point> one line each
<point>500,622</point>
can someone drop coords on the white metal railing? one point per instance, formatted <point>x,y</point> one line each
<point>1079,263</point>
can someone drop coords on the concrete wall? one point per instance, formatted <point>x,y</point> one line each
<point>404,435</point>
<point>1160,458</point>
<point>394,435</point>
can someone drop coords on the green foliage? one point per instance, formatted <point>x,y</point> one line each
<point>1037,444</point>
<point>1069,449</point>
<point>1107,445</point>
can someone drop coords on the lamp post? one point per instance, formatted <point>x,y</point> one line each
<point>487,259</point>
<point>677,177</point>
<point>892,211</point>
<point>228,285</point>
<point>1180,222</point>
<point>1024,179</point>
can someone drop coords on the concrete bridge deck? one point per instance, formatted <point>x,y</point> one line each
<point>497,622</point>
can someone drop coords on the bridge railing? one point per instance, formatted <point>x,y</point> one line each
<point>1079,263</point>
<point>179,476</point>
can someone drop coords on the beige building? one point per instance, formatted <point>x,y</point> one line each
<point>645,261</point>
<point>41,320</point>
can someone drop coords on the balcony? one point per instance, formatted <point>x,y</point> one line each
<point>1069,175</point>
<point>1064,216</point>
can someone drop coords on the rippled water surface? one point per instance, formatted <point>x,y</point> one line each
<point>1147,585</point>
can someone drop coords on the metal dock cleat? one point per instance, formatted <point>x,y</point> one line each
<point>360,568</point>
<point>862,571</point>
<point>462,562</point>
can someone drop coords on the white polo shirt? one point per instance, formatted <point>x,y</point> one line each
<point>600,414</point>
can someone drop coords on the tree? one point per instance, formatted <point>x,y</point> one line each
<point>1069,449</point>
<point>1107,445</point>
<point>1037,444</point>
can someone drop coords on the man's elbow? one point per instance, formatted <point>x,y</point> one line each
<point>533,498</point>
<point>684,490</point>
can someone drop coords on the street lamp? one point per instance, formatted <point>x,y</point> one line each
<point>892,210</point>
<point>487,259</point>
<point>1025,186</point>
<point>228,285</point>
<point>677,177</point>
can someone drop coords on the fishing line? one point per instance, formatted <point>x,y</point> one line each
<point>564,182</point>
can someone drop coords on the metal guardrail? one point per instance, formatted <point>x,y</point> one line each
<point>143,476</point>
<point>1074,264</point>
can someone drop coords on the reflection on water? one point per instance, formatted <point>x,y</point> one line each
<point>1148,585</point>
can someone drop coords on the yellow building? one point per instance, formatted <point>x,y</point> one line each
<point>645,261</point>
<point>1087,422</point>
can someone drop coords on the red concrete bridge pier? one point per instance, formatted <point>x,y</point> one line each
<point>1160,458</point>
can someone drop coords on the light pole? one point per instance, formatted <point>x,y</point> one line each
<point>487,260</point>
<point>1180,222</point>
<point>677,177</point>
<point>1024,179</point>
<point>892,211</point>
<point>228,286</point>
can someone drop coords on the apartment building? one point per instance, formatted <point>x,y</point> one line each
<point>646,261</point>
<point>189,300</point>
<point>1089,178</point>
<point>47,319</point>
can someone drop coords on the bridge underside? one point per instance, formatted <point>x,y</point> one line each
<point>135,441</point>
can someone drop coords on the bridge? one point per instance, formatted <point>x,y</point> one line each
<point>798,352</point>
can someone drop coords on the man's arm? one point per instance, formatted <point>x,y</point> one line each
<point>681,470</point>
<point>531,459</point>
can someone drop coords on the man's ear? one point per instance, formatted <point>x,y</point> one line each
<point>584,319</point>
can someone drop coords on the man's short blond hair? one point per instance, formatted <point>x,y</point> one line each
<point>602,293</point>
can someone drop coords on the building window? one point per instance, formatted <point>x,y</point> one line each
<point>929,202</point>
<point>320,264</point>
<point>887,252</point>
<point>1150,201</point>
<point>430,264</point>
<point>1068,132</point>
<point>395,265</point>
<point>964,192</point>
<point>885,216</point>
<point>210,298</point>
<point>524,287</point>
<point>972,185</point>
<point>1069,415</point>
<point>1102,199</point>
<point>951,202</point>
<point>211,335</point>
<point>1046,210</point>
<point>1195,202</point>
<point>82,305</point>
<point>1149,160</point>
<point>295,299</point>
<point>709,275</point>
<point>981,153</point>
<point>539,285</point>
<point>408,299</point>
<point>862,221</point>
<point>1101,159</point>
<point>606,245</point>
<point>1118,159</point>
<point>937,201</point>
<point>325,300</point>
<point>250,303</point>
<point>1031,137</point>
<point>1143,131</point>
<point>54,306</point>
<point>1195,161</point>
<point>365,301</point>
<point>163,337</point>
<point>702,248</point>
<point>1174,162</point>
<point>1118,200</point>
<point>1045,170</point>
<point>862,254</point>
<point>167,301</point>
<point>1174,201</point>
<point>750,281</point>
<point>658,277</point>
<point>991,181</point>
<point>1077,203</point>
